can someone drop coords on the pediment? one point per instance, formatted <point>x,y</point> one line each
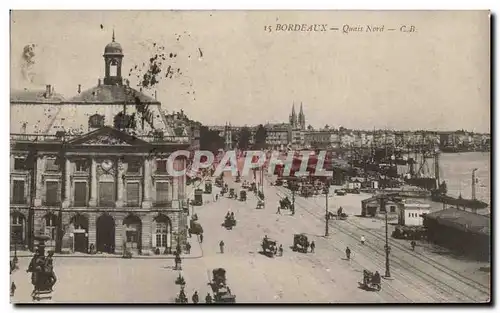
<point>108,136</point>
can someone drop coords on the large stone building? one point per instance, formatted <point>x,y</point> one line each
<point>91,172</point>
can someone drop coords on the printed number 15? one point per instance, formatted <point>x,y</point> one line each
<point>268,28</point>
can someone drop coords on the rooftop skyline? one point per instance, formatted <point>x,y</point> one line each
<point>436,79</point>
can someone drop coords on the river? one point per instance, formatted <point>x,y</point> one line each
<point>456,170</point>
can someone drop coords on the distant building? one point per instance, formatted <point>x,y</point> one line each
<point>461,231</point>
<point>278,135</point>
<point>371,207</point>
<point>411,213</point>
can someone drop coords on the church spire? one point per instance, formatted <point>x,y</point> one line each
<point>113,38</point>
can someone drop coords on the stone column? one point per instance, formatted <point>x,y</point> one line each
<point>148,183</point>
<point>175,193</point>
<point>67,184</point>
<point>120,172</point>
<point>40,163</point>
<point>119,234</point>
<point>146,233</point>
<point>92,231</point>
<point>93,184</point>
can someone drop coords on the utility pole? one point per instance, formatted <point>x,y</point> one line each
<point>327,191</point>
<point>294,185</point>
<point>387,248</point>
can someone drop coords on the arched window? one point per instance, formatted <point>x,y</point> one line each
<point>113,68</point>
<point>161,234</point>
<point>51,228</point>
<point>163,231</point>
<point>96,121</point>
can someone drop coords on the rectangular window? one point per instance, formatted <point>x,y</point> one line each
<point>161,166</point>
<point>52,193</point>
<point>106,194</point>
<point>81,165</point>
<point>80,194</point>
<point>18,196</point>
<point>19,164</point>
<point>162,196</point>
<point>52,165</point>
<point>393,208</point>
<point>134,167</point>
<point>133,195</point>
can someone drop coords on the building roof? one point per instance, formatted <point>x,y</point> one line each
<point>111,94</point>
<point>72,116</point>
<point>462,220</point>
<point>34,96</point>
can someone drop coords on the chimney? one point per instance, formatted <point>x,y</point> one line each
<point>47,91</point>
<point>155,95</point>
<point>99,82</point>
<point>79,88</point>
<point>128,83</point>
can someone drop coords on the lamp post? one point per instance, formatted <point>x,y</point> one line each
<point>327,191</point>
<point>387,248</point>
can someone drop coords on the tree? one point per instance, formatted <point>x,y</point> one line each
<point>260,137</point>
<point>210,139</point>
<point>244,138</point>
<point>310,128</point>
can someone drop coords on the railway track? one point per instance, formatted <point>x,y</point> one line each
<point>444,287</point>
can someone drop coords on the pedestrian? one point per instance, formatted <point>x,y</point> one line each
<point>208,298</point>
<point>313,245</point>
<point>178,249</point>
<point>281,250</point>
<point>221,246</point>
<point>413,244</point>
<point>348,253</point>
<point>216,197</point>
<point>195,297</point>
<point>279,210</point>
<point>362,239</point>
<point>201,238</point>
<point>188,247</point>
<point>12,289</point>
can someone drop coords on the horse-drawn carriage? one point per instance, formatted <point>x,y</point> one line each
<point>194,226</point>
<point>260,204</point>
<point>42,272</point>
<point>208,186</point>
<point>269,247</point>
<point>253,187</point>
<point>300,243</point>
<point>232,194</point>
<point>243,195</point>
<point>219,182</point>
<point>279,182</point>
<point>229,221</point>
<point>222,293</point>
<point>285,204</point>
<point>339,216</point>
<point>371,281</point>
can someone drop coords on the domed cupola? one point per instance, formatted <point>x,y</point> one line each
<point>113,55</point>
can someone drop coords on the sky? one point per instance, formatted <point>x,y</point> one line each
<point>233,70</point>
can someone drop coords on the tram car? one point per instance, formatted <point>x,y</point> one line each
<point>198,197</point>
<point>208,186</point>
<point>243,195</point>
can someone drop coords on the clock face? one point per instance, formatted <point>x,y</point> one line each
<point>107,165</point>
